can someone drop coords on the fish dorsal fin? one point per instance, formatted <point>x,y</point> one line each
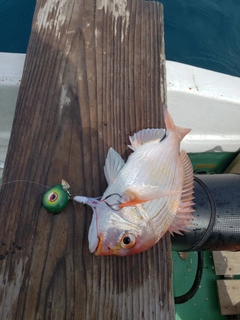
<point>184,212</point>
<point>144,136</point>
<point>113,165</point>
<point>143,193</point>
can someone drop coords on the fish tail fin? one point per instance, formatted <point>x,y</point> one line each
<point>170,125</point>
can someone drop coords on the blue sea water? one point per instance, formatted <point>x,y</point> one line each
<point>204,33</point>
<point>15,24</point>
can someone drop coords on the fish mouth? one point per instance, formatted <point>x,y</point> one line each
<point>100,251</point>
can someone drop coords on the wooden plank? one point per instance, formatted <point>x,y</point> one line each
<point>234,167</point>
<point>226,262</point>
<point>229,296</point>
<point>94,73</point>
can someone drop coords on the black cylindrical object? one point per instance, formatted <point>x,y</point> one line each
<point>216,224</point>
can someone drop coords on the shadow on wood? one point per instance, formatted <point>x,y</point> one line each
<point>94,74</point>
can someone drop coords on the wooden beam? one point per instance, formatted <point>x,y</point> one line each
<point>94,74</point>
<point>229,296</point>
<point>226,262</point>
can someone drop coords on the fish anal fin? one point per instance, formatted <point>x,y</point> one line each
<point>184,216</point>
<point>113,165</point>
<point>181,222</point>
<point>144,136</point>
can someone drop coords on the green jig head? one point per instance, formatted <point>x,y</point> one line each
<point>56,198</point>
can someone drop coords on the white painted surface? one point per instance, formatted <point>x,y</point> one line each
<point>209,103</point>
<point>206,101</point>
<point>11,68</point>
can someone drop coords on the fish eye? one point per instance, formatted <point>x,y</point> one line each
<point>128,241</point>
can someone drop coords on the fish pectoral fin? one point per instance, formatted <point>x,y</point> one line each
<point>144,136</point>
<point>113,165</point>
<point>184,216</point>
<point>139,194</point>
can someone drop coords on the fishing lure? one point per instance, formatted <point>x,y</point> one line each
<point>56,199</point>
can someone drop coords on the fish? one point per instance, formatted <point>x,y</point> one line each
<point>149,195</point>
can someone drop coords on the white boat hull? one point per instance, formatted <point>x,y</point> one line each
<point>206,101</point>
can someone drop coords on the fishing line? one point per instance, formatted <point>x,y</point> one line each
<point>55,199</point>
<point>29,181</point>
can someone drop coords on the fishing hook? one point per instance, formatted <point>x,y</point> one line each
<point>114,206</point>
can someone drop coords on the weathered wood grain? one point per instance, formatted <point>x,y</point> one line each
<point>94,74</point>
<point>226,262</point>
<point>229,296</point>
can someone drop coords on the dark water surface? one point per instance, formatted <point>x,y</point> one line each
<point>204,33</point>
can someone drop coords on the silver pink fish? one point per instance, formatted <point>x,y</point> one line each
<point>150,194</point>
